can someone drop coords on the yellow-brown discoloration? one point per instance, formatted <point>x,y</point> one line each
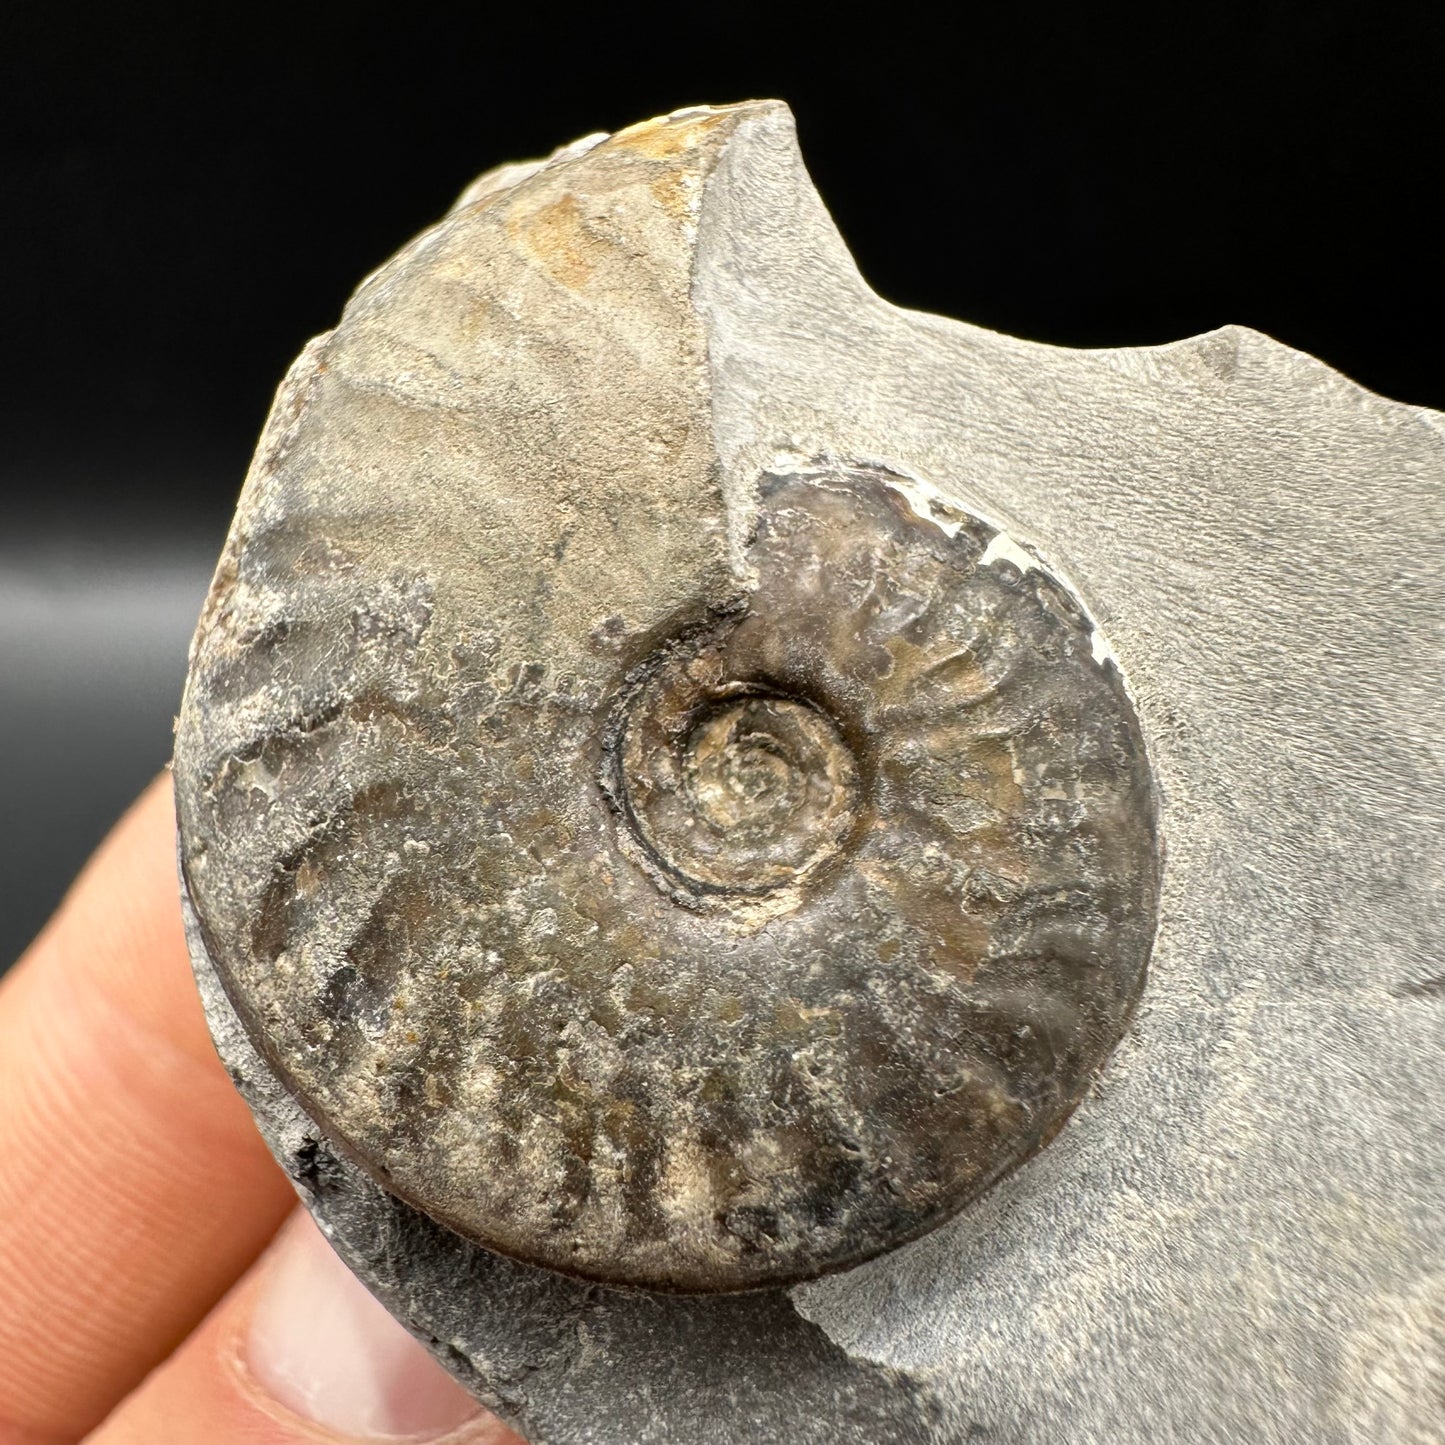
<point>556,235</point>
<point>671,136</point>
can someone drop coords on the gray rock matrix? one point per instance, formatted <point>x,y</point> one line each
<point>1238,1235</point>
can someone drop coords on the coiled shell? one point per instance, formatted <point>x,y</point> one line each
<point>682,880</point>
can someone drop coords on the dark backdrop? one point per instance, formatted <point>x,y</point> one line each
<point>186,194</point>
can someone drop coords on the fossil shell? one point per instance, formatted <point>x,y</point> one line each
<point>678,879</point>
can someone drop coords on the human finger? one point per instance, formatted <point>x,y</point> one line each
<point>296,1354</point>
<point>134,1188</point>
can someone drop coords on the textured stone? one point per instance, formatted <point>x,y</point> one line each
<point>1238,1233</point>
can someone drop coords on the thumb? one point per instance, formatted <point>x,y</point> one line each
<point>299,1352</point>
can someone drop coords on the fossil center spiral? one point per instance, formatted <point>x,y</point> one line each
<point>740,793</point>
<point>865,900</point>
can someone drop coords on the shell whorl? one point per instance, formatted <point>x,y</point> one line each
<point>672,918</point>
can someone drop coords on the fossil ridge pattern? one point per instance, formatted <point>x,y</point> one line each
<point>664,911</point>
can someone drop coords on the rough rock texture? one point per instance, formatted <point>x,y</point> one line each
<point>564,1361</point>
<point>1238,1235</point>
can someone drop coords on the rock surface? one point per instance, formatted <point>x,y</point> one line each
<point>1238,1234</point>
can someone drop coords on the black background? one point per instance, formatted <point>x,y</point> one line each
<point>187,194</point>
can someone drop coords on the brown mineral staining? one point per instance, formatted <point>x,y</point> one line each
<point>557,236</point>
<point>674,918</point>
<point>672,136</point>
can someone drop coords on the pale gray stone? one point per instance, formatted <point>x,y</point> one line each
<point>1238,1236</point>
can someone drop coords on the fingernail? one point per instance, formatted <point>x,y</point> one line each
<point>321,1346</point>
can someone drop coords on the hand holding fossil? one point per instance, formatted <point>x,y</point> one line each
<point>151,1288</point>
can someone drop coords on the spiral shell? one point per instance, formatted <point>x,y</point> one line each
<point>679,880</point>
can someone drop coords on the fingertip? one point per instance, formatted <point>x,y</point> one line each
<point>134,1188</point>
<point>299,1353</point>
<point>319,1344</point>
<point>117,932</point>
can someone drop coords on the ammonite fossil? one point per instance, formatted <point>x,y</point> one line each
<point>676,875</point>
